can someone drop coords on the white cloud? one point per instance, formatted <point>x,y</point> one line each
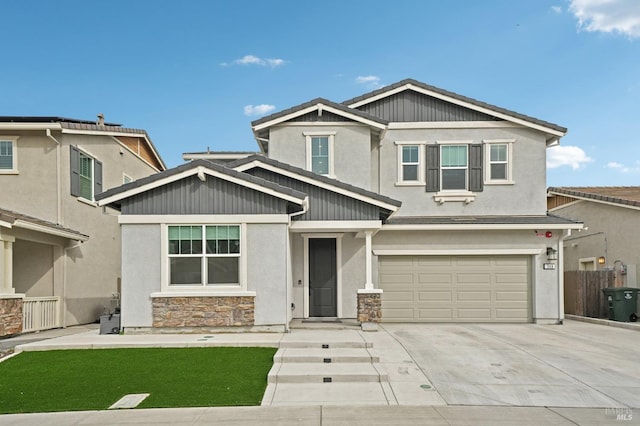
<point>608,16</point>
<point>254,60</point>
<point>369,80</point>
<point>558,156</point>
<point>556,9</point>
<point>622,168</point>
<point>261,109</point>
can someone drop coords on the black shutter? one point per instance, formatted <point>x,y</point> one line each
<point>74,161</point>
<point>433,168</point>
<point>476,178</point>
<point>97,177</point>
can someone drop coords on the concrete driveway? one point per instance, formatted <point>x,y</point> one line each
<point>572,365</point>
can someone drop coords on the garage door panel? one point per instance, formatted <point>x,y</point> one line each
<point>450,288</point>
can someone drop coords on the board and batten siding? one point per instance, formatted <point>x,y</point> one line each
<point>323,204</point>
<point>213,196</point>
<point>410,106</point>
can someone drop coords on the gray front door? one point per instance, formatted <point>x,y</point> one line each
<point>322,277</point>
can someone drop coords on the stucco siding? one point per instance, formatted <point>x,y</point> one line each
<point>33,273</point>
<point>614,232</point>
<point>525,197</point>
<point>353,273</point>
<point>352,150</point>
<point>141,267</point>
<point>267,272</point>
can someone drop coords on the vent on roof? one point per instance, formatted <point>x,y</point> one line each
<point>100,121</point>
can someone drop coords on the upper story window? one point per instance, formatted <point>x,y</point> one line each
<point>454,170</point>
<point>410,163</point>
<point>499,164</point>
<point>320,152</point>
<point>204,255</point>
<point>8,155</point>
<point>86,174</point>
<point>454,165</point>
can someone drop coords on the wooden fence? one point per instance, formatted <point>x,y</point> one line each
<point>583,293</point>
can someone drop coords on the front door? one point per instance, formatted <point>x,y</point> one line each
<point>322,277</point>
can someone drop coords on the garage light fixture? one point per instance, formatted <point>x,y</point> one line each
<point>552,254</point>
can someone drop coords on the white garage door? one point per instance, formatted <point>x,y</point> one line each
<point>455,288</point>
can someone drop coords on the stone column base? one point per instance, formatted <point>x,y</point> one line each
<point>10,315</point>
<point>369,309</point>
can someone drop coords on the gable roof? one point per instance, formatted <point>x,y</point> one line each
<point>200,168</point>
<point>503,113</point>
<point>317,180</point>
<point>10,219</point>
<point>76,126</point>
<point>624,196</point>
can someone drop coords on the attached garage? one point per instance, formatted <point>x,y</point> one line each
<point>455,288</point>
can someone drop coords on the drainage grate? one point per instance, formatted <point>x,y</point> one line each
<point>327,379</point>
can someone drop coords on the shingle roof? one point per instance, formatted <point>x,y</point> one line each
<point>454,96</point>
<point>320,178</point>
<point>316,101</point>
<point>623,195</point>
<point>12,217</point>
<point>194,164</point>
<point>47,119</point>
<point>481,220</point>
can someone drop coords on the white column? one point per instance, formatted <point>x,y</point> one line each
<point>368,285</point>
<point>6,265</point>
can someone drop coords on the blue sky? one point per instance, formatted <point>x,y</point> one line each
<point>194,74</point>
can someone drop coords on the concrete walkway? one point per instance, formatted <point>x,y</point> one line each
<point>436,374</point>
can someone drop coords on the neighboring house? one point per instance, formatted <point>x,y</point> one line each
<point>59,251</point>
<point>406,204</point>
<point>611,237</point>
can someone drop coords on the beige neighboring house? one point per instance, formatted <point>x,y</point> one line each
<point>59,251</point>
<point>611,238</point>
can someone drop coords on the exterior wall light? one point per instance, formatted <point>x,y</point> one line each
<point>601,260</point>
<point>552,254</point>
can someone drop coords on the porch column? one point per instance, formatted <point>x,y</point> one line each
<point>6,264</point>
<point>368,285</point>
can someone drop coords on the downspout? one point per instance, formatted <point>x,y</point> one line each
<point>565,234</point>
<point>58,179</point>
<point>305,209</point>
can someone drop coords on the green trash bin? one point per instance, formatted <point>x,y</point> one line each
<point>622,303</point>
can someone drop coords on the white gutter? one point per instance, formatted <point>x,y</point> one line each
<point>58,178</point>
<point>30,126</point>
<point>48,230</point>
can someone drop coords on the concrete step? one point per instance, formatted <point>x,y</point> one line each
<point>301,372</point>
<point>337,355</point>
<point>324,344</point>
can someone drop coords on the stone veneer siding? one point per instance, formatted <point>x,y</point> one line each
<point>10,316</point>
<point>203,311</point>
<point>369,307</point>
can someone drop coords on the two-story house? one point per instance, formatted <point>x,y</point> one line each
<point>406,204</point>
<point>59,251</point>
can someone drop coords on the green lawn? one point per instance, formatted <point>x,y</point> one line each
<point>95,379</point>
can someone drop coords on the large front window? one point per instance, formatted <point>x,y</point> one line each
<point>454,164</point>
<point>204,255</point>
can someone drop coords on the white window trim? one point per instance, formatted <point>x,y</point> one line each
<point>204,289</point>
<point>487,166</point>
<point>330,136</point>
<point>14,154</point>
<point>454,194</point>
<point>421,166</point>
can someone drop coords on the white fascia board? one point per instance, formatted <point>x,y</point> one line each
<point>609,203</point>
<point>335,225</point>
<point>203,218</point>
<point>5,224</point>
<point>462,104</point>
<point>194,171</point>
<point>460,252</point>
<point>311,181</point>
<point>316,107</point>
<point>477,227</point>
<point>47,230</point>
<point>214,156</point>
<point>30,126</point>
<point>101,133</point>
<point>453,125</point>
